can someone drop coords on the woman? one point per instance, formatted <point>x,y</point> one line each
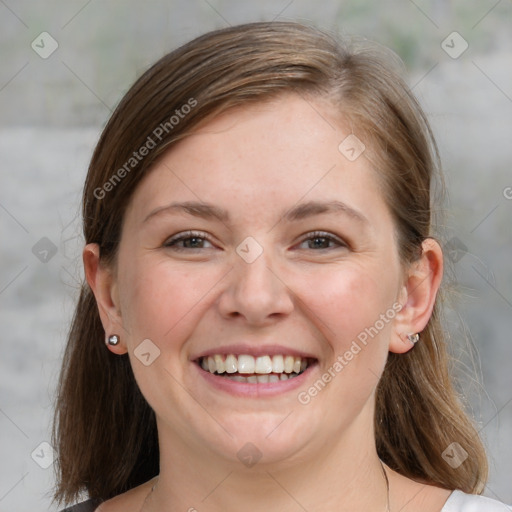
<point>261,268</point>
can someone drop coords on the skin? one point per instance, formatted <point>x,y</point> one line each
<point>258,162</point>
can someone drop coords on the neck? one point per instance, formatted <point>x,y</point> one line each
<point>344,477</point>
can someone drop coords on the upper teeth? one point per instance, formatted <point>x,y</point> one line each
<point>248,364</point>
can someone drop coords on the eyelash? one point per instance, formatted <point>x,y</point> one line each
<point>327,236</point>
<point>173,241</point>
<point>185,236</point>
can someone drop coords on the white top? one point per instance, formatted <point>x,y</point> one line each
<point>461,502</point>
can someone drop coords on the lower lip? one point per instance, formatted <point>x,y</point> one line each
<point>257,389</point>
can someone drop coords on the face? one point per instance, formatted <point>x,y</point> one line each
<point>257,237</point>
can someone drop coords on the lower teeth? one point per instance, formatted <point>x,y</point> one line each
<point>253,379</point>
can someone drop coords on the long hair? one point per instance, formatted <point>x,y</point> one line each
<point>104,430</point>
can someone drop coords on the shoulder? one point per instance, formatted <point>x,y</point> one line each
<point>461,502</point>
<point>129,501</point>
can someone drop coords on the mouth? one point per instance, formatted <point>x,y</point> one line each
<point>247,369</point>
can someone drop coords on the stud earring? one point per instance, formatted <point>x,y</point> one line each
<point>113,340</point>
<point>413,338</point>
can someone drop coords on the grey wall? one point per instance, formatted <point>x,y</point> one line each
<point>51,111</point>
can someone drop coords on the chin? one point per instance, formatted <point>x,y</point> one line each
<point>263,438</point>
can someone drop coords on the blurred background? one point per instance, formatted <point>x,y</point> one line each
<point>64,67</point>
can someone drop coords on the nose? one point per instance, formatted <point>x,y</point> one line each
<point>256,292</point>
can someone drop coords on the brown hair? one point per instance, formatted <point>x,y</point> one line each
<point>104,431</point>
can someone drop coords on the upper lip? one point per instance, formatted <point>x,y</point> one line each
<point>254,350</point>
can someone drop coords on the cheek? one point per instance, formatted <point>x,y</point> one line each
<point>354,309</point>
<point>164,305</point>
<point>348,300</point>
<point>161,301</point>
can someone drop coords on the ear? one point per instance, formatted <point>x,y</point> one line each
<point>103,285</point>
<point>418,295</point>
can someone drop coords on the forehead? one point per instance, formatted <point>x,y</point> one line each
<point>260,156</point>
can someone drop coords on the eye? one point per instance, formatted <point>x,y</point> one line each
<point>321,240</point>
<point>188,240</point>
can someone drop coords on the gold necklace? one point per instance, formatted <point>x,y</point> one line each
<point>388,509</point>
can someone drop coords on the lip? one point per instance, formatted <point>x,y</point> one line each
<point>257,389</point>
<point>254,350</point>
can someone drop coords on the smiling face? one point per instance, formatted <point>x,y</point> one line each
<point>257,236</point>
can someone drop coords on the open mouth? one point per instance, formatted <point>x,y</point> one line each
<point>249,369</point>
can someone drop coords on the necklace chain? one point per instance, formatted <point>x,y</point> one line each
<point>388,508</point>
<point>386,479</point>
<point>149,494</point>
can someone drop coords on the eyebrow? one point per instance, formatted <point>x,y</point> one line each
<point>195,208</point>
<point>298,212</point>
<point>311,208</point>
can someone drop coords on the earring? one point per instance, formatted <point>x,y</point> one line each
<point>113,340</point>
<point>413,338</point>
